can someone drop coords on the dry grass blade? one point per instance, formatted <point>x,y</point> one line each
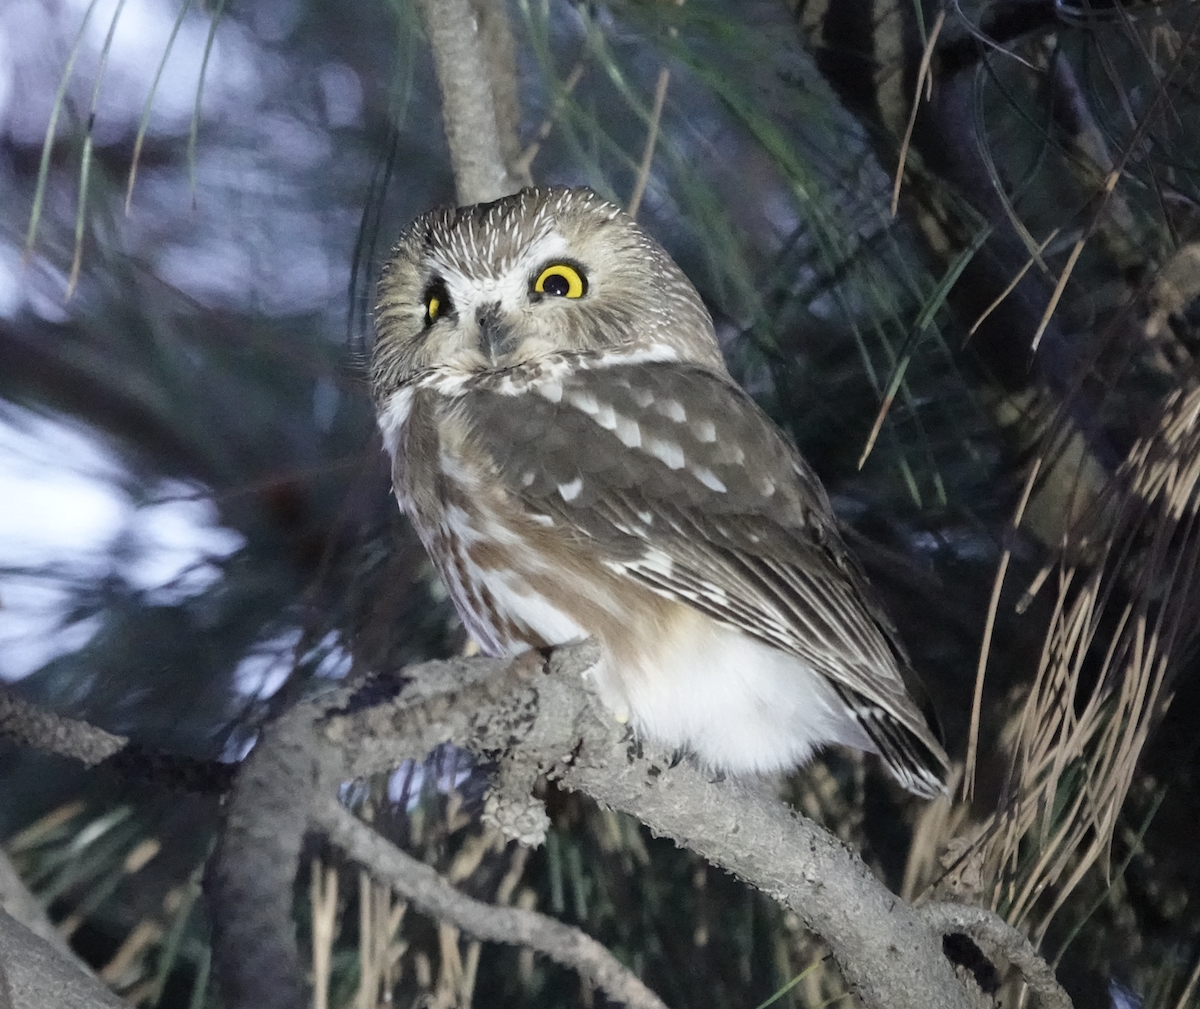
<point>1126,609</point>
<point>643,176</point>
<point>524,163</point>
<point>323,898</point>
<point>924,81</point>
<point>988,630</point>
<point>999,299</point>
<point>380,917</point>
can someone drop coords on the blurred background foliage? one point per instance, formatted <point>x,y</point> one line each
<point>196,526</point>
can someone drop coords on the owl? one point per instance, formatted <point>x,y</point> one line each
<point>578,463</point>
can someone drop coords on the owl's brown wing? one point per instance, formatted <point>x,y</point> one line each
<point>676,478</point>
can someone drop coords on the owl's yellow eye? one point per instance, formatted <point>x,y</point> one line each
<point>561,280</point>
<point>437,302</point>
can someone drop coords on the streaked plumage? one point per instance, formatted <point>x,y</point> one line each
<point>578,462</point>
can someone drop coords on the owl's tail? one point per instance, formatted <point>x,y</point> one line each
<point>908,748</point>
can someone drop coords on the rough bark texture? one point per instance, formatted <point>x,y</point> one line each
<point>545,721</point>
<point>17,901</point>
<point>35,975</point>
<point>50,733</point>
<point>251,874</point>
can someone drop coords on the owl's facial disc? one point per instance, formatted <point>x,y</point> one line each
<point>533,276</point>
<point>509,315</point>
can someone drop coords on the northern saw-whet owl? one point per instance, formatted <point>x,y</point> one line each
<point>577,461</point>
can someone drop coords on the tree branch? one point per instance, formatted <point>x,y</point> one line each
<point>250,876</point>
<point>546,721</point>
<point>422,885</point>
<point>998,937</point>
<point>469,54</point>
<point>36,975</point>
<point>24,907</point>
<point>50,733</point>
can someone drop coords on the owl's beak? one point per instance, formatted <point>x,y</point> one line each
<point>496,337</point>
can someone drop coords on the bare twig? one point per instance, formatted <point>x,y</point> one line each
<point>423,886</point>
<point>524,161</point>
<point>643,176</point>
<point>51,733</point>
<point>545,717</point>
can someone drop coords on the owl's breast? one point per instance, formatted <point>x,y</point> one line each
<point>498,560</point>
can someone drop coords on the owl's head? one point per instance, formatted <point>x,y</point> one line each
<point>544,272</point>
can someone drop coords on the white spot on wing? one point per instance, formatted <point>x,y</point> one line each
<point>709,478</point>
<point>642,397</point>
<point>583,400</point>
<point>550,390</point>
<point>570,491</point>
<point>457,524</point>
<point>667,451</point>
<point>655,352</point>
<point>714,594</point>
<point>454,468</point>
<point>628,431</point>
<point>704,430</point>
<point>518,601</point>
<point>605,417</point>
<point>656,561</point>
<point>672,409</point>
